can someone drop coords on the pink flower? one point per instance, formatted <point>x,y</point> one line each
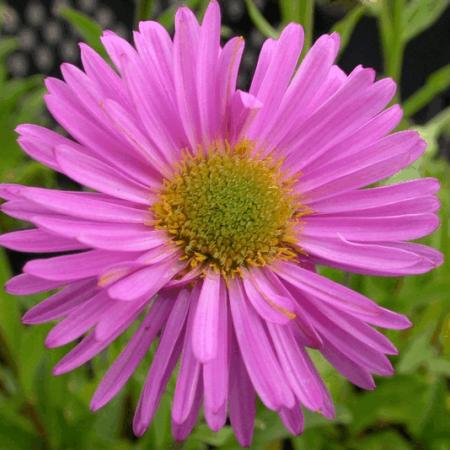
<point>212,208</point>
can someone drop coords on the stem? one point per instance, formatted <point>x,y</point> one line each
<point>391,28</point>
<point>305,16</point>
<point>178,445</point>
<point>144,10</point>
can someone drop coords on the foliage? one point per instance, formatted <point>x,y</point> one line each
<point>409,411</point>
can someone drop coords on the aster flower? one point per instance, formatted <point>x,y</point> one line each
<point>208,211</point>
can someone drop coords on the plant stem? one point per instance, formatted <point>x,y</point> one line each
<point>391,28</point>
<point>305,16</point>
<point>178,445</point>
<point>144,10</point>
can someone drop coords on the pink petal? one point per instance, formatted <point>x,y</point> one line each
<point>206,320</point>
<point>74,267</point>
<point>186,42</point>
<point>216,372</point>
<point>145,282</point>
<point>292,419</point>
<point>38,241</point>
<point>375,258</point>
<point>87,205</point>
<point>182,430</point>
<point>379,161</point>
<point>101,177</point>
<point>370,229</point>
<point>25,284</point>
<point>189,375</point>
<point>242,399</point>
<point>79,321</point>
<point>300,372</point>
<point>341,297</point>
<point>163,363</point>
<point>62,303</point>
<point>130,357</point>
<point>260,360</point>
<point>378,197</point>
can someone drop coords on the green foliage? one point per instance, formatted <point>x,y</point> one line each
<point>406,412</point>
<point>88,29</point>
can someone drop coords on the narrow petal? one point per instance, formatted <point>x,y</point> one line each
<point>79,321</point>
<point>186,41</point>
<point>88,205</point>
<point>163,364</point>
<point>206,321</point>
<point>367,199</point>
<point>181,431</point>
<point>62,303</point>
<point>242,401</point>
<point>208,55</point>
<point>304,86</point>
<point>260,360</point>
<point>38,241</point>
<point>376,258</point>
<point>293,419</point>
<point>25,284</point>
<point>189,375</point>
<point>145,282</point>
<point>340,296</point>
<point>130,357</point>
<point>355,373</point>
<point>299,370</point>
<point>216,372</point>
<point>74,267</point>
<point>381,160</point>
<point>99,176</point>
<point>371,229</point>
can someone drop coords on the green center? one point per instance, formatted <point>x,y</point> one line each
<point>228,209</point>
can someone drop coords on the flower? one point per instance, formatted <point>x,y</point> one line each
<point>211,209</point>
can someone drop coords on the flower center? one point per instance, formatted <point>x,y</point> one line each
<point>228,208</point>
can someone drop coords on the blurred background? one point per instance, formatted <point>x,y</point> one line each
<point>408,40</point>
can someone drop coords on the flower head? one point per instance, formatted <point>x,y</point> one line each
<point>209,209</point>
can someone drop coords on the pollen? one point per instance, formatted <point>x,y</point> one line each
<point>230,209</point>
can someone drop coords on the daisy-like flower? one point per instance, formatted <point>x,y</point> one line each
<point>208,211</point>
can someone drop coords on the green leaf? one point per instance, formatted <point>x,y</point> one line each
<point>346,25</point>
<point>419,350</point>
<point>386,440</point>
<point>260,21</point>
<point>15,432</point>
<point>9,310</point>
<point>436,83</point>
<point>421,14</point>
<point>87,28</point>
<point>7,45</point>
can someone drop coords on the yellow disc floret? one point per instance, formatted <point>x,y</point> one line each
<point>228,209</point>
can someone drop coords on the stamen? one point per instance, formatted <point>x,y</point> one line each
<point>228,209</point>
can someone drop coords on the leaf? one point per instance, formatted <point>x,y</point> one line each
<point>260,21</point>
<point>7,45</point>
<point>15,432</point>
<point>421,14</point>
<point>439,366</point>
<point>9,309</point>
<point>87,28</point>
<point>346,25</point>
<point>386,440</point>
<point>418,352</point>
<point>432,130</point>
<point>436,83</point>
